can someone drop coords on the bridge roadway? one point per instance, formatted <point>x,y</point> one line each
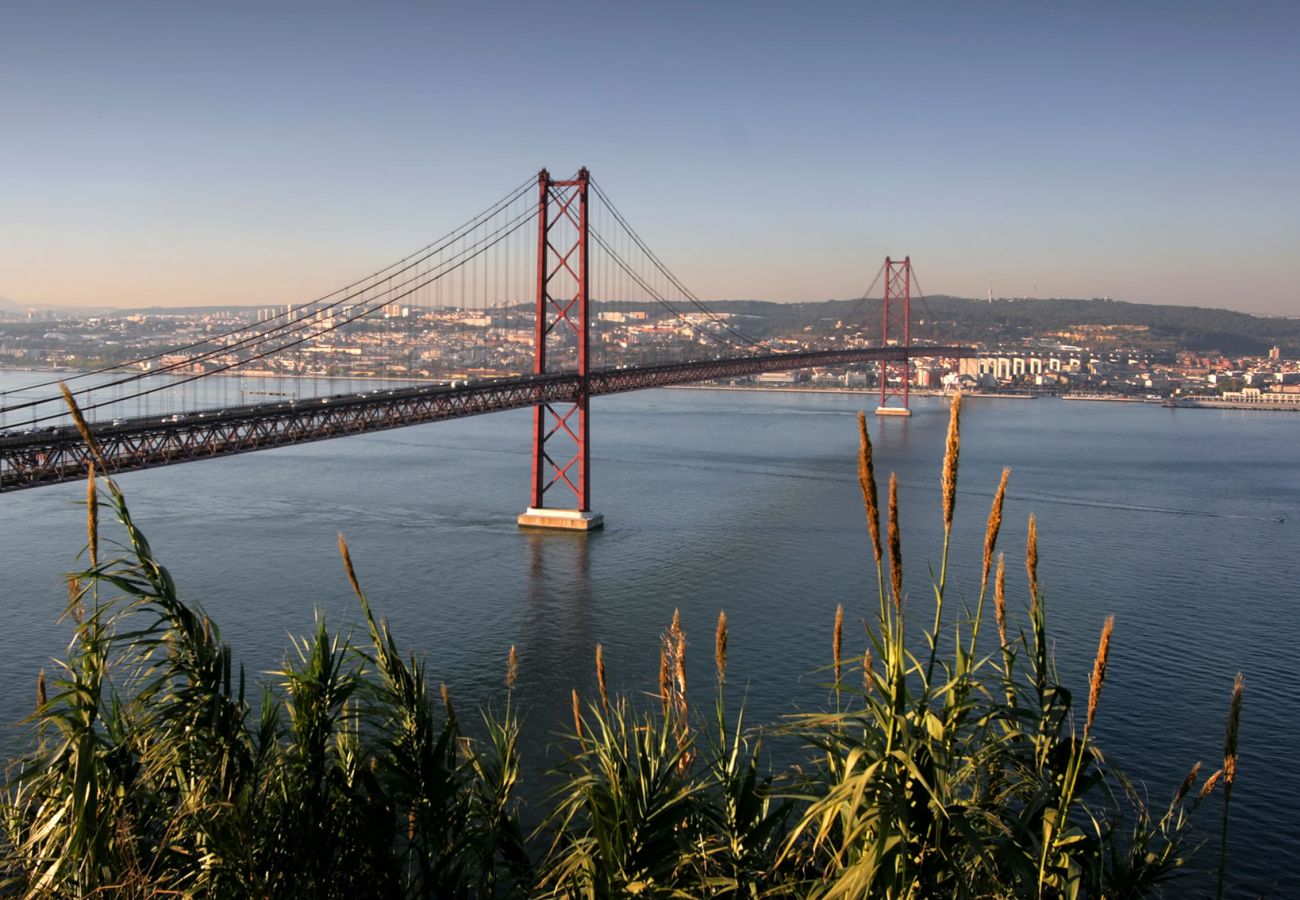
<point>54,455</point>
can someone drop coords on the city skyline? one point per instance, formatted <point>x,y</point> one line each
<point>172,156</point>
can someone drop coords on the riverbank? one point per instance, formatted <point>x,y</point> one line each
<point>790,389</point>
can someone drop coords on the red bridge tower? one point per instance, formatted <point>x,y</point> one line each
<point>561,447</point>
<point>897,319</point>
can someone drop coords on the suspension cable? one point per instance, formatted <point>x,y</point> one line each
<point>309,310</point>
<point>482,246</point>
<point>631,273</point>
<point>672,278</point>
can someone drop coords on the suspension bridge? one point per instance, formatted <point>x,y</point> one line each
<point>545,299</point>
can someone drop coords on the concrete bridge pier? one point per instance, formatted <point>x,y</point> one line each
<point>562,519</point>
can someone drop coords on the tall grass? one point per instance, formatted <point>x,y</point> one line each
<point>960,770</point>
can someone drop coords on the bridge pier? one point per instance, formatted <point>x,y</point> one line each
<point>561,431</point>
<point>562,519</point>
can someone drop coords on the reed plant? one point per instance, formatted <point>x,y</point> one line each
<point>956,765</point>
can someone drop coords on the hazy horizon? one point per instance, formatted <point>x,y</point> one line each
<point>238,305</point>
<point>164,155</point>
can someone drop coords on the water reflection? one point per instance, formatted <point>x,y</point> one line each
<point>558,627</point>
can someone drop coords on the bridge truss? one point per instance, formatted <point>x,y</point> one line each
<point>59,454</point>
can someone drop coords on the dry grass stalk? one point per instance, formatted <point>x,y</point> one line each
<point>994,525</point>
<point>1230,739</point>
<point>76,604</point>
<point>837,642</point>
<point>347,567</point>
<point>82,428</point>
<point>665,680</point>
<point>1031,561</point>
<point>92,515</point>
<point>867,480</point>
<point>577,714</point>
<point>895,545</point>
<point>600,676</point>
<point>1187,783</point>
<point>1000,599</point>
<point>1208,787</point>
<point>1229,773</point>
<point>679,669</point>
<point>446,702</point>
<point>1099,671</point>
<point>720,647</point>
<point>673,675</point>
<point>949,479</point>
<point>512,668</point>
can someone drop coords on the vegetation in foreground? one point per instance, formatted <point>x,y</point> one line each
<point>938,771</point>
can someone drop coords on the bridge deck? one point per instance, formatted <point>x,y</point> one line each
<point>55,455</point>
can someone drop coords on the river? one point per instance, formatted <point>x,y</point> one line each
<point>1180,522</point>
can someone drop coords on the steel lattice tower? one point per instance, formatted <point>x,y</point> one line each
<point>897,331</point>
<point>561,445</point>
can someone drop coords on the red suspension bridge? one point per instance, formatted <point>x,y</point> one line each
<point>553,268</point>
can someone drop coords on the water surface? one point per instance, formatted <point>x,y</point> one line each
<point>1181,523</point>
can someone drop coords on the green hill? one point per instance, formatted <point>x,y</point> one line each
<point>959,319</point>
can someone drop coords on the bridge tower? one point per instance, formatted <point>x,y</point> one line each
<point>561,446</point>
<point>897,330</point>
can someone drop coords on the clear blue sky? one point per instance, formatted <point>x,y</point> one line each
<point>267,152</point>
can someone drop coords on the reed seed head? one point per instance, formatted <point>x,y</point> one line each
<point>92,515</point>
<point>1000,599</point>
<point>446,701</point>
<point>577,715</point>
<point>1187,783</point>
<point>665,680</point>
<point>1099,671</point>
<point>949,478</point>
<point>347,567</point>
<point>76,603</point>
<point>720,647</point>
<point>994,525</point>
<point>1031,560</point>
<point>679,670</point>
<point>600,676</point>
<point>512,668</point>
<point>82,428</point>
<point>40,690</point>
<point>895,545</point>
<point>867,481</point>
<point>866,671</point>
<point>837,642</point>
<point>1230,739</point>
<point>1208,787</point>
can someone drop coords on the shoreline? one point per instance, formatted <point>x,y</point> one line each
<point>924,392</point>
<point>1166,402</point>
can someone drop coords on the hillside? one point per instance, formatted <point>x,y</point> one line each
<point>958,319</point>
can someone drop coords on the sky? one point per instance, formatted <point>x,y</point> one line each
<point>267,152</point>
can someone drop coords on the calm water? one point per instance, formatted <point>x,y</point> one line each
<point>1182,523</point>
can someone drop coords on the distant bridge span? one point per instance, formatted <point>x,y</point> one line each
<point>57,455</point>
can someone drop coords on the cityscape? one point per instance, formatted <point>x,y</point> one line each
<point>401,342</point>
